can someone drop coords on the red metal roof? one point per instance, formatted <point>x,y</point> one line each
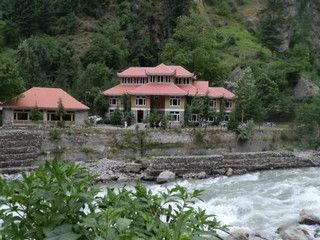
<point>202,87</point>
<point>160,70</point>
<point>220,92</point>
<point>120,89</point>
<point>165,89</point>
<point>45,98</point>
<point>190,89</point>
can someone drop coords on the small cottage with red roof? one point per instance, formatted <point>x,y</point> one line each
<point>166,89</point>
<point>17,111</point>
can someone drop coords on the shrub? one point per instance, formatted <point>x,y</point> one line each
<point>59,201</point>
<point>55,134</point>
<point>116,117</point>
<point>245,132</point>
<point>35,114</point>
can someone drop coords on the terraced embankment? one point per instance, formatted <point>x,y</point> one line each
<point>19,150</point>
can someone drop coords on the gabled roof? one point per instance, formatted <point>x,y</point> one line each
<point>120,89</point>
<point>45,98</point>
<point>165,89</point>
<point>160,70</point>
<point>134,72</point>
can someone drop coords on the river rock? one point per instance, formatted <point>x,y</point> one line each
<point>293,233</point>
<point>166,176</point>
<point>242,234</point>
<point>230,172</point>
<point>307,217</point>
<point>200,175</point>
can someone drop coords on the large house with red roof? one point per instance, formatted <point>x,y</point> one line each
<point>17,111</point>
<point>166,89</point>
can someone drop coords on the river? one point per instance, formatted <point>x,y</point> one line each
<point>261,201</point>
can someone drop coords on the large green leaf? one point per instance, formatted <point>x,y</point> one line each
<point>63,232</point>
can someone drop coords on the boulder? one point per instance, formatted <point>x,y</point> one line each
<point>293,233</point>
<point>166,176</point>
<point>242,234</point>
<point>308,218</point>
<point>305,89</point>
<point>230,172</point>
<point>234,77</point>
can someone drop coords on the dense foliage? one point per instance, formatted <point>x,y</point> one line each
<point>80,45</point>
<point>59,201</point>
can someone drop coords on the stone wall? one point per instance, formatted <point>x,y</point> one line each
<point>90,144</point>
<point>239,162</point>
<point>19,150</point>
<point>7,117</point>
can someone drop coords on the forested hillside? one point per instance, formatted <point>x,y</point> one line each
<point>79,45</point>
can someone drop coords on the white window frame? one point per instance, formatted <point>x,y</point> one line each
<point>112,99</point>
<point>213,103</point>
<point>175,116</point>
<point>227,117</point>
<point>175,101</point>
<point>194,118</point>
<point>140,98</point>
<point>228,104</point>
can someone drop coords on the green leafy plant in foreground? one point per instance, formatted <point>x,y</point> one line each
<point>59,201</point>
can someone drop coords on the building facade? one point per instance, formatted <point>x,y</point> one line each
<point>46,100</point>
<point>165,89</point>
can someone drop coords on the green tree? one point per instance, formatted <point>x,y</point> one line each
<point>247,101</point>
<point>307,123</point>
<point>268,95</point>
<point>11,84</point>
<point>101,105</point>
<point>46,61</point>
<point>36,114</point>
<point>109,46</point>
<point>274,17</point>
<point>61,112</point>
<point>193,46</point>
<point>201,107</point>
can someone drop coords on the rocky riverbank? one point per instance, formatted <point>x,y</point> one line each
<point>168,168</point>
<point>307,227</point>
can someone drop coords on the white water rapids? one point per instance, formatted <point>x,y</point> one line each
<point>261,202</point>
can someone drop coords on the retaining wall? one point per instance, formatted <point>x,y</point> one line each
<point>218,164</point>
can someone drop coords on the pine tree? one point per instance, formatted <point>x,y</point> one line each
<point>272,23</point>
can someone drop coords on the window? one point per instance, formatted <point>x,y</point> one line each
<point>194,118</point>
<point>174,101</point>
<point>227,117</point>
<point>21,115</point>
<point>213,103</point>
<point>211,119</point>
<point>52,116</point>
<point>69,117</point>
<point>140,101</point>
<point>228,104</point>
<point>175,116</point>
<point>113,101</point>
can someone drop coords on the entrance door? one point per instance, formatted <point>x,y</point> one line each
<point>140,116</point>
